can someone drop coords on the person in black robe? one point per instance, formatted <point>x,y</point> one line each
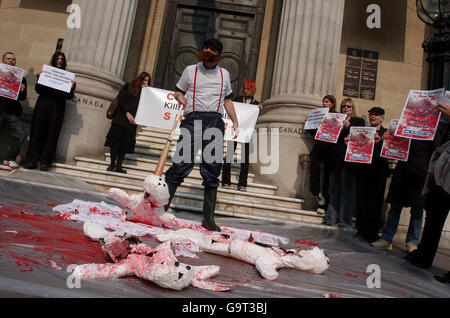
<point>48,116</point>
<point>121,137</point>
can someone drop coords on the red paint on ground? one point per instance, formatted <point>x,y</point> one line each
<point>306,242</point>
<point>42,238</point>
<point>52,204</point>
<point>351,275</point>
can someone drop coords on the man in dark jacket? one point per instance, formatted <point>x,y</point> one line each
<point>10,111</point>
<point>371,184</point>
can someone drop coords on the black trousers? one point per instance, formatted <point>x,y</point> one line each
<point>17,132</point>
<point>437,205</point>
<point>370,188</point>
<point>208,128</point>
<point>243,175</point>
<point>46,125</point>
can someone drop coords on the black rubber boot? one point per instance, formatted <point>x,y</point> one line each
<point>172,190</point>
<point>209,205</point>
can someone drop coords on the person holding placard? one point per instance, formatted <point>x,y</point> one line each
<point>249,90</point>
<point>10,112</point>
<point>342,174</point>
<point>121,137</point>
<point>48,116</point>
<point>371,183</point>
<point>320,153</point>
<point>405,190</point>
<point>436,194</point>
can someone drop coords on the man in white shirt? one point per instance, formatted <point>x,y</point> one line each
<point>204,90</point>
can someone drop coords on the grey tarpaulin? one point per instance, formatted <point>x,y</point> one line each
<point>32,237</point>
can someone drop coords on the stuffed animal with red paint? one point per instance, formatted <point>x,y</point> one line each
<point>132,258</point>
<point>147,207</point>
<point>266,259</point>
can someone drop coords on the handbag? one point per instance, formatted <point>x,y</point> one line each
<point>112,108</point>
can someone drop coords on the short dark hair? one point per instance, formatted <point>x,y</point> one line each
<point>4,54</point>
<point>55,57</point>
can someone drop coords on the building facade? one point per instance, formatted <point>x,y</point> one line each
<point>297,51</point>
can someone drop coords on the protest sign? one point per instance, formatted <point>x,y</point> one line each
<point>56,78</point>
<point>330,127</point>
<point>10,81</point>
<point>395,147</point>
<point>420,116</point>
<point>158,108</point>
<point>315,117</point>
<point>361,144</point>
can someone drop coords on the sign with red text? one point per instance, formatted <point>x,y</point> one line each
<point>395,147</point>
<point>158,108</point>
<point>361,144</point>
<point>10,81</point>
<point>420,116</point>
<point>331,127</point>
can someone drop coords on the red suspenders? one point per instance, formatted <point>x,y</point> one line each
<point>195,86</point>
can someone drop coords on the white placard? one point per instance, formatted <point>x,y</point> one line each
<point>158,108</point>
<point>315,117</point>
<point>56,78</point>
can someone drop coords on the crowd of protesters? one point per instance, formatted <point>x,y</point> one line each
<point>420,183</point>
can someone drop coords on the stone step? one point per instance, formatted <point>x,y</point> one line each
<point>198,189</point>
<point>140,166</point>
<point>4,170</point>
<point>135,179</point>
<point>153,153</point>
<point>233,208</point>
<point>159,145</point>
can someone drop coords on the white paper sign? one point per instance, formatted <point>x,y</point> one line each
<point>56,78</point>
<point>10,81</point>
<point>315,117</point>
<point>158,108</point>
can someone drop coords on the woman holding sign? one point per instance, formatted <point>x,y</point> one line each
<point>321,153</point>
<point>342,174</point>
<point>47,119</point>
<point>121,137</point>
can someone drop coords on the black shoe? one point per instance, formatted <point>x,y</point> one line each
<point>120,170</point>
<point>110,168</point>
<point>415,259</point>
<point>209,205</point>
<point>43,167</point>
<point>172,190</point>
<point>444,279</point>
<point>30,166</point>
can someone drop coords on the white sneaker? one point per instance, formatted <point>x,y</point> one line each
<point>411,247</point>
<point>320,199</point>
<point>382,245</point>
<point>11,163</point>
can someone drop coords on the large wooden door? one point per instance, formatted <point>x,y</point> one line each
<point>189,23</point>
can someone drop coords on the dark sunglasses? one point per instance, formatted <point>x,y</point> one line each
<point>346,106</point>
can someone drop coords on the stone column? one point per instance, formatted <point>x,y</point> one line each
<point>305,71</point>
<point>97,54</point>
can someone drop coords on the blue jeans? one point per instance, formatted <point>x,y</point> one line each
<point>341,187</point>
<point>415,224</point>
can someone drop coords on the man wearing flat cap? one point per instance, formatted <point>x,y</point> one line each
<point>204,90</point>
<point>371,184</point>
